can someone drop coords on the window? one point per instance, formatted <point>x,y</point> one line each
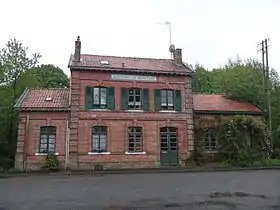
<point>135,139</point>
<point>167,99</point>
<point>210,141</point>
<point>47,139</point>
<point>99,139</point>
<point>168,138</point>
<point>134,98</point>
<point>99,97</point>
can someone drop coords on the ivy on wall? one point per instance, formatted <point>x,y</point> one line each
<point>241,140</point>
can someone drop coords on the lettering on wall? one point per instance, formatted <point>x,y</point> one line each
<point>133,77</point>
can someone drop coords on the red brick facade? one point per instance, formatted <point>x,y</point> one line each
<point>59,120</point>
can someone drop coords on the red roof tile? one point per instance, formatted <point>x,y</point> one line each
<point>45,98</point>
<point>152,64</point>
<point>214,102</point>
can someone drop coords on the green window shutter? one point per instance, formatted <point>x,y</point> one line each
<point>111,98</point>
<point>88,97</point>
<point>178,100</point>
<point>146,99</point>
<point>124,98</point>
<point>157,99</point>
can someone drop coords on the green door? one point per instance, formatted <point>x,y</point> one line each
<point>168,146</point>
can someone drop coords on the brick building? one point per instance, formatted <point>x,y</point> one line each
<point>118,112</point>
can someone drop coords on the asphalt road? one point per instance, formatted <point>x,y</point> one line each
<point>205,190</point>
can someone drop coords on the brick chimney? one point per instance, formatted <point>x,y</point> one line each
<point>178,56</point>
<point>77,55</point>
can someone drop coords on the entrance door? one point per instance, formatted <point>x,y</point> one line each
<point>168,146</point>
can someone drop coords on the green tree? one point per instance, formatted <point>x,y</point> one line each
<point>49,75</point>
<point>14,61</point>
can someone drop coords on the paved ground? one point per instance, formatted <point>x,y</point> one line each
<point>206,190</point>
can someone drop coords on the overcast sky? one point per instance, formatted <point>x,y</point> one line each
<point>208,31</point>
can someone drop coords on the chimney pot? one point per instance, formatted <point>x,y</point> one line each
<point>77,55</point>
<point>178,56</point>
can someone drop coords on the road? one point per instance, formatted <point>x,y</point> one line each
<point>205,190</point>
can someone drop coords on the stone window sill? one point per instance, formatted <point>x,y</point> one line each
<point>135,110</point>
<point>99,153</point>
<point>168,111</point>
<point>37,153</point>
<point>99,110</point>
<point>135,153</point>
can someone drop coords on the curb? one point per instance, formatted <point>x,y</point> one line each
<point>133,171</point>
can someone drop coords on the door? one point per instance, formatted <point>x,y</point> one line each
<point>168,146</point>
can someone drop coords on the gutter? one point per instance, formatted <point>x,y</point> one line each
<point>102,68</point>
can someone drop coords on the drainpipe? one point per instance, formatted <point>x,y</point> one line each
<point>67,146</point>
<point>25,144</point>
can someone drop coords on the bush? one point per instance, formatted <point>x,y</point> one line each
<point>52,162</point>
<point>276,153</point>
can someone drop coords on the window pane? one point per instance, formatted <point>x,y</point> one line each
<point>137,98</point>
<point>96,95</point>
<point>163,98</point>
<point>51,139</point>
<point>43,139</point>
<point>51,147</point>
<point>43,148</point>
<point>103,92</point>
<point>131,99</point>
<point>137,91</point>
<point>170,98</point>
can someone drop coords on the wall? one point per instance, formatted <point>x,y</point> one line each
<point>82,120</point>
<point>29,137</point>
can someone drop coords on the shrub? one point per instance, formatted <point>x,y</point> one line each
<point>52,162</point>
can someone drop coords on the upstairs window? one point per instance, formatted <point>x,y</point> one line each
<point>134,98</point>
<point>168,100</point>
<point>100,98</point>
<point>47,139</point>
<point>99,95</point>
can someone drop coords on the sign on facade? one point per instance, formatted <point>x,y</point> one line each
<point>133,77</point>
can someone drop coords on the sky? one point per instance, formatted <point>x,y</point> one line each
<point>208,32</point>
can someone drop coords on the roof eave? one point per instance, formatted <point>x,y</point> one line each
<point>112,69</point>
<point>21,98</point>
<point>229,112</point>
<point>40,109</point>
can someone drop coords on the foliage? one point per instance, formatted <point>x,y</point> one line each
<point>52,162</point>
<point>242,80</point>
<point>50,76</point>
<point>241,139</point>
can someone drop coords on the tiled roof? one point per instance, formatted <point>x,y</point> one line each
<point>152,64</point>
<point>215,102</point>
<point>56,98</point>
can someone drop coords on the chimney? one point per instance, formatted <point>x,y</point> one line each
<point>77,55</point>
<point>178,56</point>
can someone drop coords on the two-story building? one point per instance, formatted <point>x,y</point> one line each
<point>120,112</point>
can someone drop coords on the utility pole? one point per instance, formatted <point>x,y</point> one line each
<point>268,86</point>
<point>266,82</point>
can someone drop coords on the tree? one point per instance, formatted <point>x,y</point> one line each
<point>14,61</point>
<point>49,75</point>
